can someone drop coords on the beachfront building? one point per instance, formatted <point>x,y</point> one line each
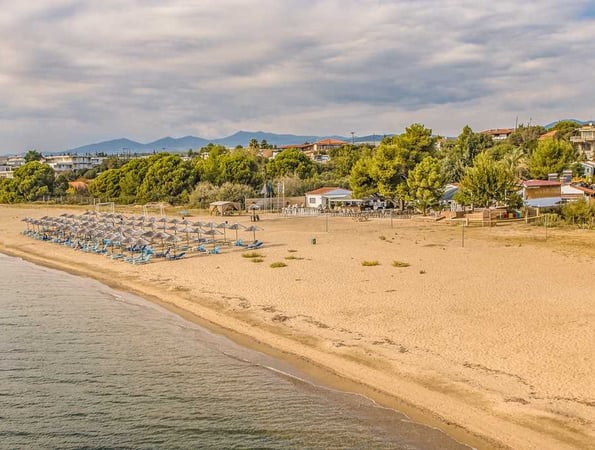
<point>585,141</point>
<point>498,134</point>
<point>321,198</point>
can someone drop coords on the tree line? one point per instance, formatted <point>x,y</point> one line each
<point>412,169</point>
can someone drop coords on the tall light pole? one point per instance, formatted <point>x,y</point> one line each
<point>353,138</point>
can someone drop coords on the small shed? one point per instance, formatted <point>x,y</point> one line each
<point>223,208</point>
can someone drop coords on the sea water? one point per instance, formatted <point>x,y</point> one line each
<point>84,366</point>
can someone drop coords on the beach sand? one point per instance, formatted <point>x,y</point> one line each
<point>492,342</point>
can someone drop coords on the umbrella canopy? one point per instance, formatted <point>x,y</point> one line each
<point>236,226</point>
<point>253,229</point>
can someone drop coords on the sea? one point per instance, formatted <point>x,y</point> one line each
<point>83,366</point>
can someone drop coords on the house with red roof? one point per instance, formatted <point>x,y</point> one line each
<point>318,151</point>
<point>542,193</point>
<point>498,134</point>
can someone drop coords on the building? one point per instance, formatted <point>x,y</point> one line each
<point>65,163</point>
<point>318,151</point>
<point>542,193</point>
<point>588,169</point>
<point>15,161</point>
<point>498,134</point>
<point>6,171</point>
<point>322,197</point>
<point>585,141</point>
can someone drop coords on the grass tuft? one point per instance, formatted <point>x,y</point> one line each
<point>291,250</point>
<point>400,264</point>
<point>297,258</point>
<point>278,264</point>
<point>252,255</point>
<point>256,260</point>
<point>370,263</point>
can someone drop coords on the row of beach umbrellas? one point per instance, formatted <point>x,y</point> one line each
<point>133,231</point>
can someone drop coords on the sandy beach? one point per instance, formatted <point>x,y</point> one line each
<point>491,342</point>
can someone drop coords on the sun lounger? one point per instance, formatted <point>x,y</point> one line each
<point>215,251</point>
<point>255,244</point>
<point>176,256</point>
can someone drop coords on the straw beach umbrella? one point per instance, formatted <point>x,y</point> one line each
<point>236,226</point>
<point>253,229</point>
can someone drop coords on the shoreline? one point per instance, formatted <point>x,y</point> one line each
<point>368,376</point>
<point>316,373</point>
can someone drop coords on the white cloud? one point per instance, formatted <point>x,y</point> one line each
<point>72,72</point>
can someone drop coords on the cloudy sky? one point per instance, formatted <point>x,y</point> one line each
<point>77,72</point>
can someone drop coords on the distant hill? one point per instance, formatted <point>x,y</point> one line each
<point>580,122</point>
<point>170,144</point>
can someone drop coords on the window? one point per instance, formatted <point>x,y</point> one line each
<point>312,200</point>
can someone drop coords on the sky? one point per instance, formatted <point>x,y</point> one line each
<point>78,72</point>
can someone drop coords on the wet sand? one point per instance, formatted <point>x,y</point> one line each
<point>491,342</point>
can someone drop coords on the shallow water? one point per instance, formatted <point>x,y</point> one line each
<point>84,366</point>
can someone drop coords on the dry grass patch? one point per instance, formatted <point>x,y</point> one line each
<point>252,255</point>
<point>291,250</point>
<point>291,257</point>
<point>370,263</point>
<point>256,260</point>
<point>276,265</point>
<point>400,264</point>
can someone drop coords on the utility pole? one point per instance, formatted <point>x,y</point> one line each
<point>353,138</point>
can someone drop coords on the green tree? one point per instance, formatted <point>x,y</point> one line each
<point>132,175</point>
<point>33,180</point>
<point>208,168</point>
<point>361,181</point>
<point>240,167</point>
<point>486,183</point>
<point>169,178</point>
<point>460,154</point>
<point>397,156</point>
<point>253,144</point>
<point>33,155</point>
<point>291,162</point>
<point>426,184</point>
<point>7,190</point>
<point>526,137</point>
<point>235,192</point>
<point>106,186</point>
<point>551,156</point>
<point>203,194</point>
<point>565,129</point>
<point>342,159</point>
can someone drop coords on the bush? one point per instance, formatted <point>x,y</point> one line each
<point>370,263</point>
<point>276,265</point>
<point>580,213</point>
<point>551,219</point>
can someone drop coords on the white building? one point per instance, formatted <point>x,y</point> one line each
<point>65,163</point>
<point>320,198</point>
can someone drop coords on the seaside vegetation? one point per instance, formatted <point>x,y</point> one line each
<point>410,170</point>
<point>276,265</point>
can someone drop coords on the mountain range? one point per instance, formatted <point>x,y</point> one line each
<point>170,144</point>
